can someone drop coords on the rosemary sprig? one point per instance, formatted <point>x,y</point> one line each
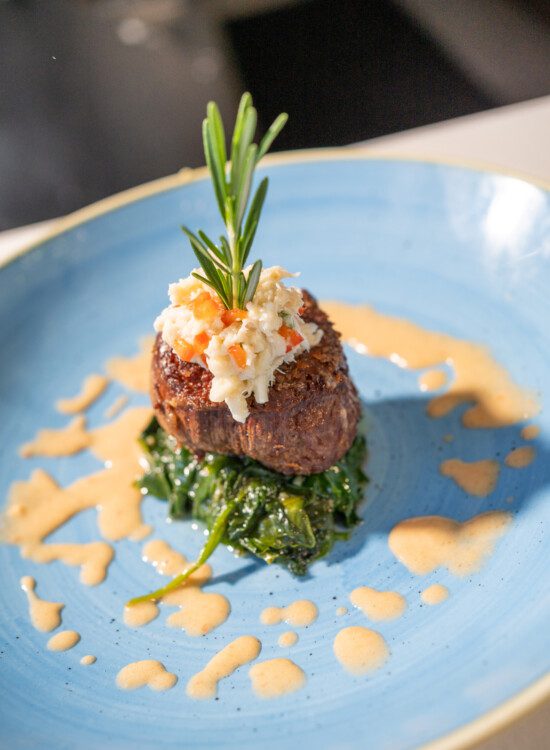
<point>222,264</point>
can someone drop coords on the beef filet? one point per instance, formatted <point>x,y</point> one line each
<point>308,423</point>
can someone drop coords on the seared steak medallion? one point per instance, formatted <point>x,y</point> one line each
<point>308,423</point>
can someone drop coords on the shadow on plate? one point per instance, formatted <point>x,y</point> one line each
<point>405,450</point>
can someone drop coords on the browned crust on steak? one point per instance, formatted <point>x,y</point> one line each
<point>308,423</point>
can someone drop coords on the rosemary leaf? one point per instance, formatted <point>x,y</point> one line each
<point>252,220</point>
<point>201,250</point>
<point>245,103</point>
<point>217,177</point>
<point>252,281</point>
<point>218,133</point>
<point>223,264</point>
<point>244,184</point>
<point>213,248</point>
<point>272,133</point>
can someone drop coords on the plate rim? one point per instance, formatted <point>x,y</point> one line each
<point>529,698</point>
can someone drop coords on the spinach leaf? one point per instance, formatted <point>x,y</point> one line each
<point>289,520</point>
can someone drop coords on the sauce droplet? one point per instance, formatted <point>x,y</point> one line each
<point>63,442</point>
<point>93,558</point>
<point>149,672</point>
<point>477,478</point>
<point>477,376</point>
<point>530,432</point>
<point>341,611</point>
<point>92,388</point>
<point>299,614</point>
<point>133,372</point>
<point>45,616</point>
<point>425,543</point>
<point>199,613</point>
<point>140,614</point>
<point>63,641</point>
<point>116,407</point>
<point>432,380</point>
<point>520,457</point>
<point>276,677</point>
<point>87,660</point>
<point>169,562</point>
<point>435,594</point>
<point>242,650</point>
<point>288,639</point>
<point>378,605</point>
<point>360,650</point>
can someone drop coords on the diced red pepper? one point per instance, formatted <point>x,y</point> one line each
<point>205,307</point>
<point>184,350</point>
<point>201,341</point>
<point>293,338</point>
<point>238,355</point>
<point>230,316</point>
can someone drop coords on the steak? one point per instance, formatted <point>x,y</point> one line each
<point>308,423</point>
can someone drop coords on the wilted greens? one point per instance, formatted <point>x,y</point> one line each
<point>289,520</point>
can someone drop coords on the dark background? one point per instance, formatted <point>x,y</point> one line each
<point>100,95</point>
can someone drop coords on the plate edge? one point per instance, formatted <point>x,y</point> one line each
<point>188,175</point>
<point>494,721</point>
<point>526,700</point>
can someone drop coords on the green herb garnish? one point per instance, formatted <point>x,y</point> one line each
<point>289,520</point>
<point>223,263</point>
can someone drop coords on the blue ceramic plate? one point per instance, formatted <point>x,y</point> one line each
<point>455,250</point>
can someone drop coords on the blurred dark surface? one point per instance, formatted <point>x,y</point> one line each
<point>100,95</point>
<point>345,77</point>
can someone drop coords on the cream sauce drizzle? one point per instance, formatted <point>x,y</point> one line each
<point>242,650</point>
<point>287,639</point>
<point>520,457</point>
<point>133,372</point>
<point>87,660</point>
<point>169,562</point>
<point>116,407</point>
<point>432,380</point>
<point>63,641</point>
<point>477,478</point>
<point>378,605</point>
<point>93,558</point>
<point>140,614</point>
<point>276,677</point>
<point>39,506</point>
<point>198,613</point>
<point>45,616</point>
<point>148,672</point>
<point>497,400</point>
<point>63,442</point>
<point>425,543</point>
<point>530,432</point>
<point>299,614</point>
<point>360,650</point>
<point>92,388</point>
<point>435,594</point>
<point>141,532</point>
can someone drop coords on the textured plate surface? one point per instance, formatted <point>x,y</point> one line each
<point>455,250</point>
